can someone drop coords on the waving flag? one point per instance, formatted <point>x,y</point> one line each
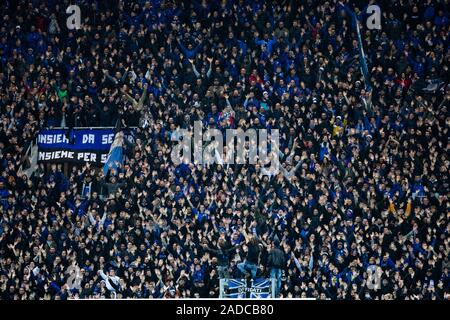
<point>115,155</point>
<point>362,58</point>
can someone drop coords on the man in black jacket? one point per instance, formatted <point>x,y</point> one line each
<point>250,266</point>
<point>223,257</point>
<point>276,262</point>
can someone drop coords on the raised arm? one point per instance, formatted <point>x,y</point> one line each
<point>292,153</point>
<point>183,49</point>
<point>140,104</point>
<point>109,77</point>
<point>194,68</point>
<point>124,75</point>
<point>246,237</point>
<point>91,218</point>
<point>210,60</point>
<point>229,104</point>
<point>297,263</point>
<point>189,200</point>
<point>130,98</point>
<point>102,274</point>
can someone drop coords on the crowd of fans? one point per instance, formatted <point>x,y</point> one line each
<point>370,180</point>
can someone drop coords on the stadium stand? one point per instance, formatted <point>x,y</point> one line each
<point>363,214</point>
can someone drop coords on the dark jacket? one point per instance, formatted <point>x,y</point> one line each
<point>253,253</point>
<point>276,259</point>
<point>223,255</point>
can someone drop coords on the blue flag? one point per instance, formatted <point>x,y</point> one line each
<point>115,155</point>
<point>362,58</point>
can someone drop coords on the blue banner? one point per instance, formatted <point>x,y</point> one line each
<point>77,139</point>
<point>77,145</point>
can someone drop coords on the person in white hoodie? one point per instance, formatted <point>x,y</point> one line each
<point>112,281</point>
